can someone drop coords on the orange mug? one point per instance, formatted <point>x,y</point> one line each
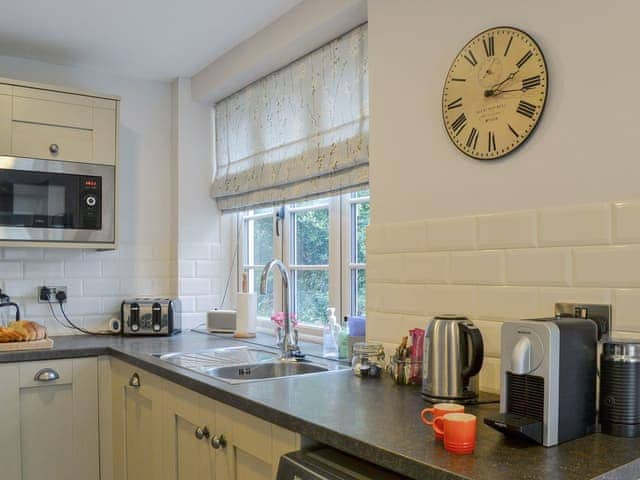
<point>438,410</point>
<point>459,431</point>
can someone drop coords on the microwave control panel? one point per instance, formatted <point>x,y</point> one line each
<point>90,203</point>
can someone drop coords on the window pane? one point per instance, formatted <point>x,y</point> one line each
<point>361,292</point>
<point>310,203</point>
<point>265,302</point>
<point>312,237</point>
<point>262,240</point>
<point>312,295</point>
<point>360,194</point>
<point>362,221</point>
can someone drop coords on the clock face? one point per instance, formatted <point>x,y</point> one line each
<point>494,93</point>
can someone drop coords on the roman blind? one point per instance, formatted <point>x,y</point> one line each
<point>300,132</point>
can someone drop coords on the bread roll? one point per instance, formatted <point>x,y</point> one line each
<point>25,330</point>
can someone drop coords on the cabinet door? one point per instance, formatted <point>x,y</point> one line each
<point>188,436</point>
<point>5,120</point>
<point>10,421</point>
<point>137,423</point>
<point>58,402</point>
<point>253,446</point>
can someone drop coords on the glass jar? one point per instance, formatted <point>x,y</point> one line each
<point>368,359</point>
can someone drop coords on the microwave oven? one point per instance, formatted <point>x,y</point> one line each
<point>56,201</point>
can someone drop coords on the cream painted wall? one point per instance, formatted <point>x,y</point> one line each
<point>583,150</point>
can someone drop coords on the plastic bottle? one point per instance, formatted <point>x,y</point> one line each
<point>343,340</point>
<point>330,334</point>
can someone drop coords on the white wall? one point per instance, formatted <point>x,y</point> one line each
<point>144,263</point>
<point>204,237</point>
<point>565,238</point>
<point>583,149</point>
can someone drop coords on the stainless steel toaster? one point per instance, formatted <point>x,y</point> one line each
<point>151,316</point>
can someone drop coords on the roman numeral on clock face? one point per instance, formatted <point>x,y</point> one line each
<point>459,123</point>
<point>531,82</point>
<point>524,59</point>
<point>526,109</point>
<point>512,130</point>
<point>489,46</point>
<point>491,145</point>
<point>472,139</point>
<point>457,103</point>
<point>471,58</point>
<point>506,50</point>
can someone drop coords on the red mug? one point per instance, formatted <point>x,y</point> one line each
<point>438,410</point>
<point>459,431</point>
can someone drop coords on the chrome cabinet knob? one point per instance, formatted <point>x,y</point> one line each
<point>46,375</point>
<point>202,432</point>
<point>218,442</point>
<point>134,381</point>
<point>54,148</point>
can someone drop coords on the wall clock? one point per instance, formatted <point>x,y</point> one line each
<point>495,93</point>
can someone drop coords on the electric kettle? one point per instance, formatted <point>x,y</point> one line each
<point>453,354</point>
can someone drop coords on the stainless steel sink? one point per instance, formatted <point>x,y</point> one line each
<point>243,364</point>
<point>263,371</point>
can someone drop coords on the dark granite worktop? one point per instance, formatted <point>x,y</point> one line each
<point>369,418</point>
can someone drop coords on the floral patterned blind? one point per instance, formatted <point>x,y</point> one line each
<point>299,132</point>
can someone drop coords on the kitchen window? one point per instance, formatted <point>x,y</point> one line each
<point>322,242</point>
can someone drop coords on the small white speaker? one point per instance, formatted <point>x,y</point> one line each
<point>221,321</point>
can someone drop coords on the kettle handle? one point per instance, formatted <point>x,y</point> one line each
<point>477,350</point>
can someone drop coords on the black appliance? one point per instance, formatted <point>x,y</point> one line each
<point>49,200</point>
<point>548,385</point>
<point>325,463</point>
<point>620,388</point>
<point>151,316</point>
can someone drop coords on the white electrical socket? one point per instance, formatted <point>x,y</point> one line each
<point>52,293</point>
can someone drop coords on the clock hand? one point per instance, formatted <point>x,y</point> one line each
<point>497,92</point>
<point>492,91</point>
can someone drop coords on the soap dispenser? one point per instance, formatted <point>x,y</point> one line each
<point>330,335</point>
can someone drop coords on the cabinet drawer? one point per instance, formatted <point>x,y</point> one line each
<point>34,140</point>
<point>31,371</point>
<point>52,113</point>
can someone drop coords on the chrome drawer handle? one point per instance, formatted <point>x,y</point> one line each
<point>134,381</point>
<point>202,432</point>
<point>46,375</point>
<point>218,442</point>
<point>54,148</point>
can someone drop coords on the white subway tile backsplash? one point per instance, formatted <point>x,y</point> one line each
<point>43,269</point>
<point>626,222</point>
<point>405,237</point>
<point>575,225</point>
<point>186,268</point>
<point>206,268</point>
<point>84,306</point>
<point>10,270</point>
<point>451,233</point>
<point>541,266</point>
<point>403,299</point>
<point>20,288</point>
<point>506,230</point>
<point>490,375</point>
<point>105,287</point>
<point>18,253</point>
<point>63,254</point>
<point>506,302</point>
<point>431,267</point>
<point>195,286</point>
<point>485,267</point>
<point>490,336</point>
<point>549,296</point>
<point>613,266</point>
<point>204,303</point>
<point>455,299</point>
<point>384,327</point>
<point>385,268</point>
<point>195,251</point>
<point>188,304</point>
<point>111,306</point>
<point>626,304</point>
<point>86,269</point>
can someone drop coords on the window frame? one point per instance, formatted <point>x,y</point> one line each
<point>342,253</point>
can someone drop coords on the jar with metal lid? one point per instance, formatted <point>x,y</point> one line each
<point>368,359</point>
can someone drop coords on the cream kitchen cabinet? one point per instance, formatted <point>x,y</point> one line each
<point>137,417</point>
<point>39,121</point>
<point>189,436</point>
<point>49,420</point>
